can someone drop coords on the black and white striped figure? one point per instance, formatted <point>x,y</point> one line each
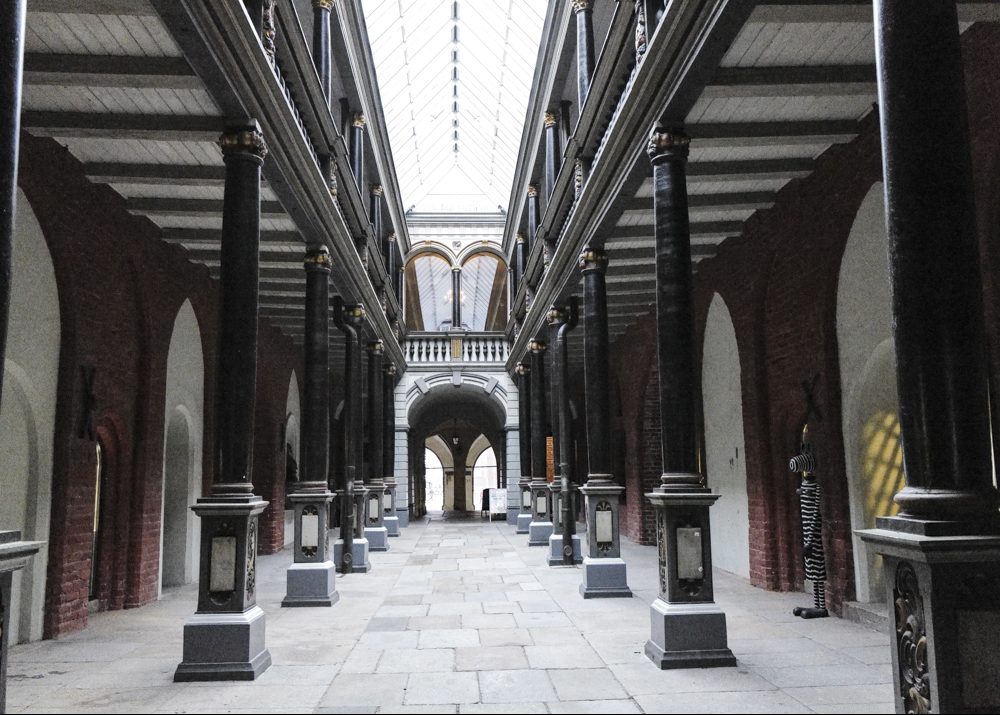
<point>812,528</point>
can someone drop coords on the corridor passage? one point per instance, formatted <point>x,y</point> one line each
<point>462,616</point>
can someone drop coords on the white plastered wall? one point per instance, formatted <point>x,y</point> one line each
<point>27,416</point>
<point>184,421</point>
<point>867,361</point>
<point>725,457</point>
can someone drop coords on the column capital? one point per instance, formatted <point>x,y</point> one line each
<point>537,346</point>
<point>359,121</point>
<point>593,259</point>
<point>456,269</point>
<point>377,347</point>
<point>390,370</point>
<point>520,238</point>
<point>246,139</point>
<point>377,189</point>
<point>550,120</point>
<point>391,238</point>
<point>317,259</point>
<point>355,313</point>
<point>532,190</point>
<point>668,144</point>
<point>556,315</point>
<point>522,369</point>
<point>322,4</point>
<point>581,5</point>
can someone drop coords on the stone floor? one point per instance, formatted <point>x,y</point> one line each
<point>462,616</point>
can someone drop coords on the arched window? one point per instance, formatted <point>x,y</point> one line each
<point>484,292</point>
<point>428,293</point>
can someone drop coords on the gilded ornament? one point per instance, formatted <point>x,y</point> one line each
<point>267,29</point>
<point>532,191</point>
<point>319,258</point>
<point>359,121</point>
<point>243,141</point>
<point>537,346</point>
<point>581,5</point>
<point>378,347</point>
<point>550,120</point>
<point>377,190</point>
<point>640,29</point>
<point>555,316</point>
<point>520,238</point>
<point>663,142</point>
<point>593,259</point>
<point>323,4</point>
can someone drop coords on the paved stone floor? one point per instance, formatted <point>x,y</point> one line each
<point>462,616</point>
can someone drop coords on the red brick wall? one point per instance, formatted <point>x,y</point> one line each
<point>120,289</point>
<point>779,280</point>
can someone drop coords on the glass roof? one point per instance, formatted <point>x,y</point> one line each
<point>455,76</point>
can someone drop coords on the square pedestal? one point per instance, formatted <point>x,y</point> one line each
<point>311,585</point>
<point>523,522</point>
<point>688,635</point>
<point>392,525</point>
<point>404,517</point>
<point>378,538</point>
<point>556,550</point>
<point>224,646</point>
<point>539,533</point>
<point>361,563</point>
<point>604,578</point>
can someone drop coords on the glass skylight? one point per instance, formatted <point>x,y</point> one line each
<point>455,76</point>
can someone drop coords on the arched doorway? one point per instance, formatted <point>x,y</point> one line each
<point>27,417</point>
<point>868,383</point>
<point>182,451</point>
<point>434,479</point>
<point>484,476</point>
<point>725,453</point>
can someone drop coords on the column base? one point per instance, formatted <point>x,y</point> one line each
<point>604,578</point>
<point>539,533</point>
<point>688,635</point>
<point>523,522</point>
<point>944,617</point>
<point>224,646</point>
<point>404,517</point>
<point>311,585</point>
<point>361,563</point>
<point>378,538</point>
<point>391,525</point>
<point>512,512</point>
<point>556,550</point>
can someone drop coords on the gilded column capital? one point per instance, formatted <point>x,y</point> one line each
<point>323,4</point>
<point>377,190</point>
<point>532,190</point>
<point>593,259</point>
<point>555,316</point>
<point>355,312</point>
<point>318,259</point>
<point>244,140</point>
<point>359,121</point>
<point>667,144</point>
<point>581,5</point>
<point>390,370</point>
<point>377,347</point>
<point>522,369</point>
<point>550,120</point>
<point>520,238</point>
<point>537,346</point>
<point>391,238</point>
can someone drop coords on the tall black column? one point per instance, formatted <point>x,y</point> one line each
<point>682,636</point>
<point>456,298</point>
<point>391,518</point>
<point>584,49</point>
<point>520,258</point>
<point>321,44</point>
<point>310,579</point>
<point>392,265</point>
<point>225,640</point>
<point>604,572</point>
<point>556,318</point>
<point>533,214</point>
<point>12,59</point>
<point>375,209</point>
<point>375,531</point>
<point>552,153</point>
<point>569,545</point>
<point>941,555</point>
<point>358,150</point>
<point>541,512</point>
<point>523,374</point>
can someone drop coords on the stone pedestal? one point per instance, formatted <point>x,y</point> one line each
<point>539,533</point>
<point>604,571</point>
<point>942,594</point>
<point>224,640</point>
<point>540,528</point>
<point>359,554</point>
<point>373,515</point>
<point>404,517</point>
<point>688,629</point>
<point>556,550</point>
<point>311,579</point>
<point>523,523</point>
<point>14,555</point>
<point>524,515</point>
<point>389,518</point>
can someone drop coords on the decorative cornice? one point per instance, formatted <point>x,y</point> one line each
<point>318,258</point>
<point>593,259</point>
<point>550,120</point>
<point>668,144</point>
<point>244,140</point>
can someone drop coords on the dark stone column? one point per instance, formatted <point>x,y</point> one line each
<point>533,215</point>
<point>225,639</point>
<point>392,265</point>
<point>556,318</point>
<point>604,571</point>
<point>456,298</point>
<point>552,162</point>
<point>584,49</point>
<point>321,43</point>
<point>520,259</point>
<point>375,209</point>
<point>941,555</point>
<point>311,578</point>
<point>12,59</point>
<point>540,527</point>
<point>375,531</point>
<point>358,150</point>
<point>390,518</point>
<point>350,551</point>
<point>524,440</point>
<point>688,628</point>
<point>564,546</point>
